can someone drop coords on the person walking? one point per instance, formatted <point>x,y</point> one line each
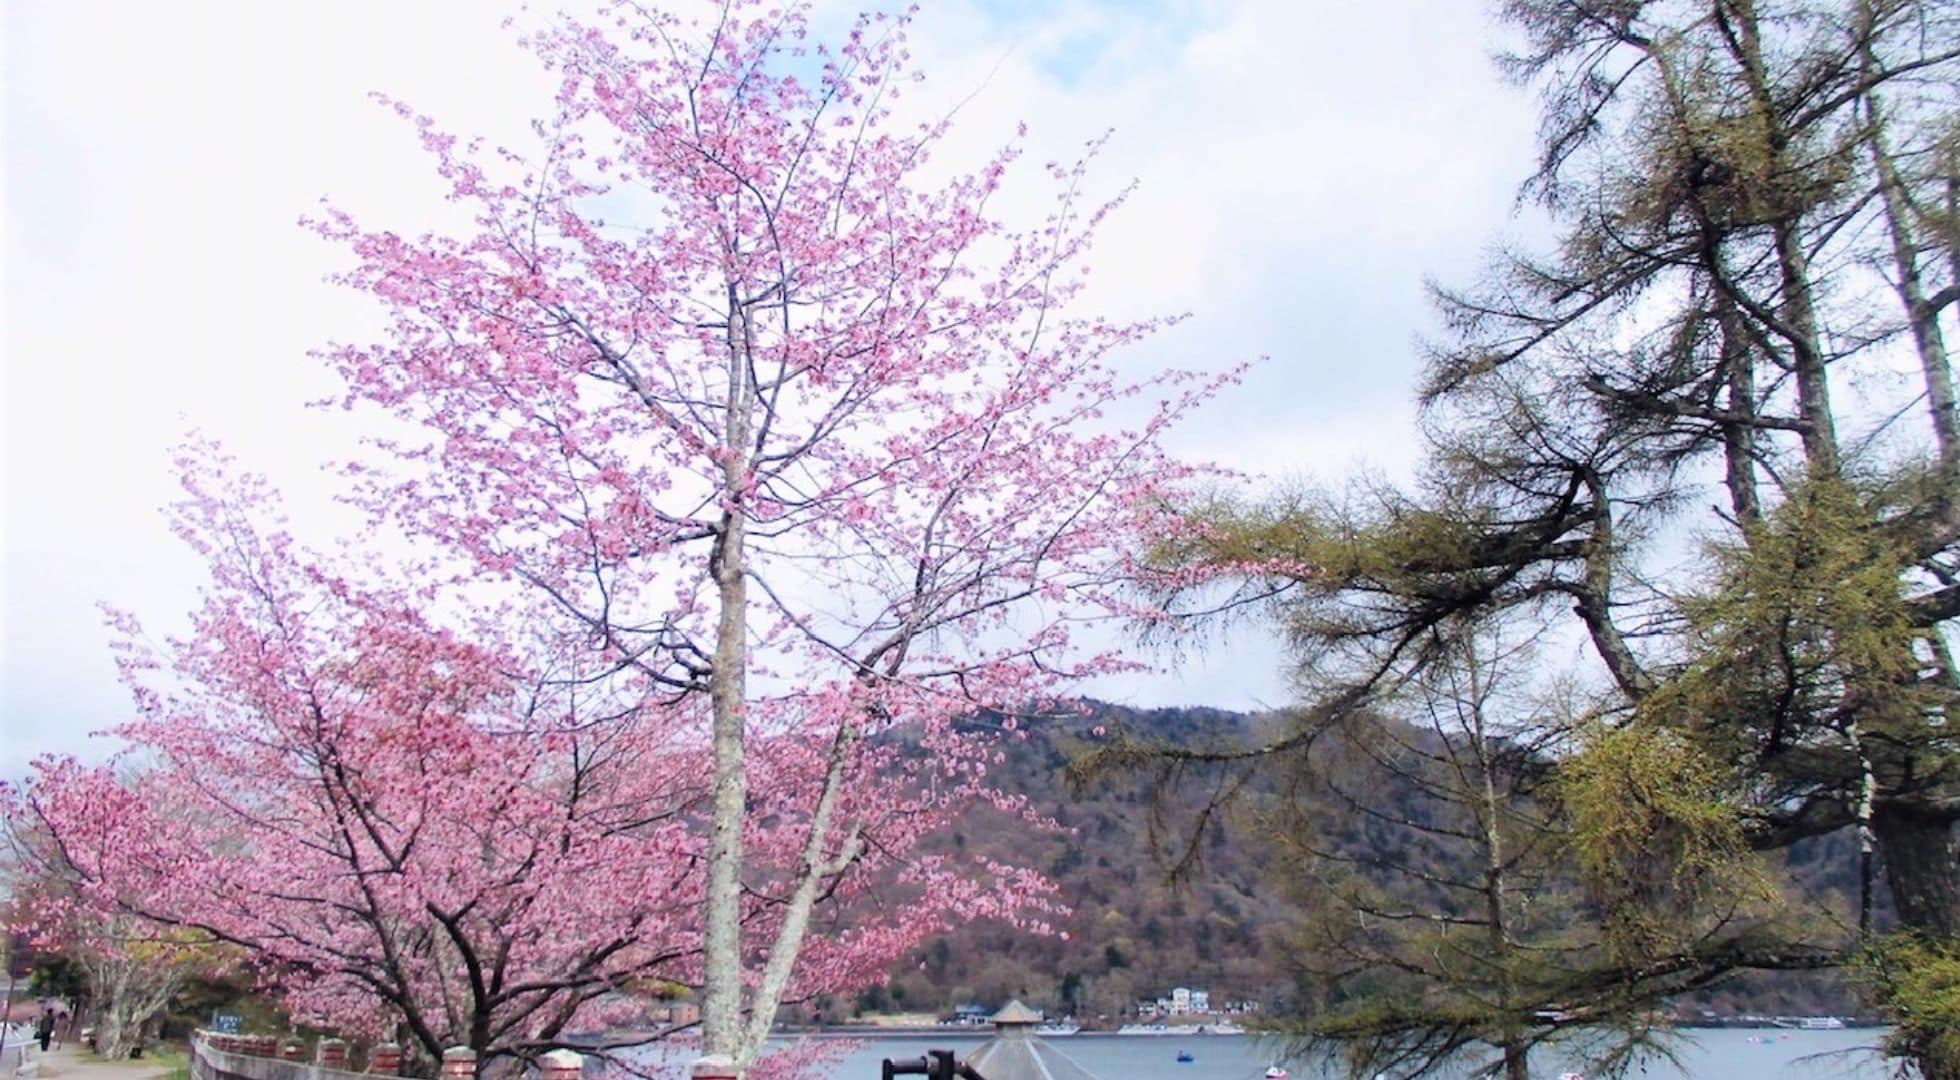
<point>44,1031</point>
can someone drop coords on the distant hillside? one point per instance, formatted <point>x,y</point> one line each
<point>1133,934</point>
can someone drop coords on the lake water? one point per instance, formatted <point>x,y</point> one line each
<point>1717,1054</point>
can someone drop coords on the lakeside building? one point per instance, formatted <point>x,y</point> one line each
<point>1182,1001</point>
<point>1192,1001</point>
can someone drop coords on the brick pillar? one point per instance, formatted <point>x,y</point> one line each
<point>459,1063</point>
<point>561,1065</point>
<point>714,1067</point>
<point>332,1054</point>
<point>292,1050</point>
<point>385,1059</point>
<point>267,1046</point>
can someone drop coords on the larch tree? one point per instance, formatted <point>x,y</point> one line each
<point>792,440</point>
<point>1426,851</point>
<point>1738,339</point>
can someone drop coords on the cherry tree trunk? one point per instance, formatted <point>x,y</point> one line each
<point>721,1004</point>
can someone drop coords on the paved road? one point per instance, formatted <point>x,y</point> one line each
<point>72,1062</point>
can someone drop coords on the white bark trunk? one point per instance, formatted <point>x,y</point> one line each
<point>128,993</point>
<point>721,998</point>
<point>812,872</point>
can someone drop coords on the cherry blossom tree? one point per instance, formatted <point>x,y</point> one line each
<point>120,971</point>
<point>785,426</point>
<point>409,833</point>
<point>749,463</point>
<point>374,809</point>
<point>133,976</point>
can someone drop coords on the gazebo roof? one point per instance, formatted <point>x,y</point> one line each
<point>1015,1053</point>
<point>1015,1013</point>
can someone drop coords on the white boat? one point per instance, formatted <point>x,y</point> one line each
<point>1052,1030</point>
<point>1144,1029</point>
<point>1222,1027</point>
<point>1274,1072</point>
<point>1806,1023</point>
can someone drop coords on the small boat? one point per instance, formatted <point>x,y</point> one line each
<point>1185,1057</point>
<point>1274,1072</point>
<point>1571,1076</point>
<point>1221,1027</point>
<point>1049,1031</point>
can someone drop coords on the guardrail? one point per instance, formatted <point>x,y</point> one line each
<point>19,1051</point>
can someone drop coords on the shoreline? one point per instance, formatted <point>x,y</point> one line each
<point>873,1031</point>
<point>982,1032</point>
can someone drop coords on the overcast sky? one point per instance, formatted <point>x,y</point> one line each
<point>1303,165</point>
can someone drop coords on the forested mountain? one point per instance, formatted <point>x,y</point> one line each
<point>1231,922</point>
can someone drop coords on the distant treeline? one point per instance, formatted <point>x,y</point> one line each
<point>1226,924</point>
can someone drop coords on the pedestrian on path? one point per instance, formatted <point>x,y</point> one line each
<point>45,1030</point>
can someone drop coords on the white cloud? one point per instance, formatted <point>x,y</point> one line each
<point>1302,165</point>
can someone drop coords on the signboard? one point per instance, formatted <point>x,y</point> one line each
<point>227,1023</point>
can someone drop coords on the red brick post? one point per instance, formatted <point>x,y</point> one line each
<point>714,1067</point>
<point>561,1065</point>
<point>292,1050</point>
<point>459,1063</point>
<point>332,1054</point>
<point>385,1059</point>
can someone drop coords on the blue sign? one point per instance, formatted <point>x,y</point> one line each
<point>227,1023</point>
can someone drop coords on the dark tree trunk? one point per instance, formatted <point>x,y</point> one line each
<point>1917,849</point>
<point>1516,1062</point>
<point>1920,867</point>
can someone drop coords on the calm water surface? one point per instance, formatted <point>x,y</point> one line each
<point>1725,1054</point>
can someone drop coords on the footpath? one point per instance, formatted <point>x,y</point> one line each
<point>72,1062</point>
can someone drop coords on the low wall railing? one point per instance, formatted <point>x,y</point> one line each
<point>219,1056</point>
<point>216,1056</point>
